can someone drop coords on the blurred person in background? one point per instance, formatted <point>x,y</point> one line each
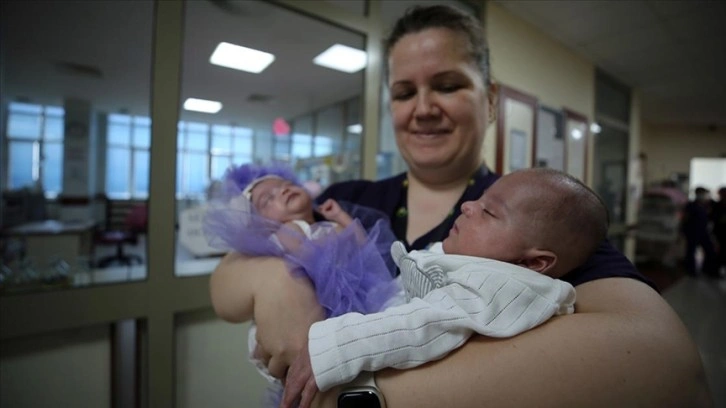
<point>696,229</point>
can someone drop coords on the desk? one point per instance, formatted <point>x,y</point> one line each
<point>46,241</point>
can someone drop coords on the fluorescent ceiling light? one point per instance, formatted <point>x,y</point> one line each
<point>241,58</point>
<point>342,58</point>
<point>202,105</point>
<point>356,129</point>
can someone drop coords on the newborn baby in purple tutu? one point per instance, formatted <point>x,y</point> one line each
<point>280,199</point>
<point>265,211</point>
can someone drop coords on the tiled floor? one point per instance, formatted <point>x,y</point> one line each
<point>701,303</point>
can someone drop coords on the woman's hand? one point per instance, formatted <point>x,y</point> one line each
<point>285,307</point>
<point>300,382</point>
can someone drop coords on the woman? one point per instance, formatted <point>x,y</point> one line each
<point>624,346</point>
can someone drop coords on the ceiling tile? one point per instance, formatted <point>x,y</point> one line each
<point>646,37</point>
<point>705,21</point>
<point>671,8</point>
<point>600,23</point>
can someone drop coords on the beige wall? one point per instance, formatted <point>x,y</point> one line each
<point>63,369</point>
<point>526,59</point>
<point>670,148</point>
<point>212,369</point>
<point>73,368</point>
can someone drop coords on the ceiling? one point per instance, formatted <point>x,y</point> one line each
<point>673,51</point>
<point>109,44</point>
<point>101,51</point>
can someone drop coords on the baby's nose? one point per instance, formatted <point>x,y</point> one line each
<point>467,207</point>
<point>280,191</point>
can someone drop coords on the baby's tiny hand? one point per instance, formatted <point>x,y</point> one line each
<point>330,208</point>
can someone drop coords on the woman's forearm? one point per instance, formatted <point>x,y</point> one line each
<point>234,282</point>
<point>623,347</point>
<point>282,305</point>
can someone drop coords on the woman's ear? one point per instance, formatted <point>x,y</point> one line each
<point>540,260</point>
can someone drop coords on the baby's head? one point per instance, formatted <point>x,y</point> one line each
<point>542,219</point>
<point>272,191</point>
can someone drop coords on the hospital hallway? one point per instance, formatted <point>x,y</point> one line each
<point>701,304</point>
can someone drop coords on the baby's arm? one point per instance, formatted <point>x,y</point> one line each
<point>332,211</point>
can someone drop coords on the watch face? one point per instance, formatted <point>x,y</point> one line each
<point>358,399</point>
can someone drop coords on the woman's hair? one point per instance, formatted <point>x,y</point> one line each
<point>420,18</point>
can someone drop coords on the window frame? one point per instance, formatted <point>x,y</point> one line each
<point>133,148</point>
<point>39,144</point>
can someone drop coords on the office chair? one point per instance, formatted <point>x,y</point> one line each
<point>134,224</point>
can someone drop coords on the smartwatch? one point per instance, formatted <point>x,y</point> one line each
<point>361,393</point>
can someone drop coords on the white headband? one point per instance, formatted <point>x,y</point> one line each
<point>247,192</point>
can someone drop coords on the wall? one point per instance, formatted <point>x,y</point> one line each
<point>63,369</point>
<point>524,58</point>
<point>212,369</point>
<point>670,148</point>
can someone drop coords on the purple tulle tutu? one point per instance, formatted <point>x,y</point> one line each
<point>351,270</point>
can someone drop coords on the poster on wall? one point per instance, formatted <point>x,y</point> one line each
<point>516,126</point>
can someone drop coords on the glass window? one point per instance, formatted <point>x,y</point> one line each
<point>221,139</point>
<point>128,139</point>
<point>52,167</point>
<point>323,146</point>
<point>141,173</point>
<point>53,126</point>
<point>35,140</point>
<point>142,135</point>
<point>302,146</point>
<point>24,126</point>
<point>610,158</point>
<point>283,149</point>
<point>22,159</point>
<point>348,164</point>
<point>220,164</point>
<point>75,85</point>
<point>610,170</point>
<point>330,130</point>
<point>242,130</point>
<point>118,174</point>
<point>302,137</point>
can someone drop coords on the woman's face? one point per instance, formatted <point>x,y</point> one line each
<point>438,100</point>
